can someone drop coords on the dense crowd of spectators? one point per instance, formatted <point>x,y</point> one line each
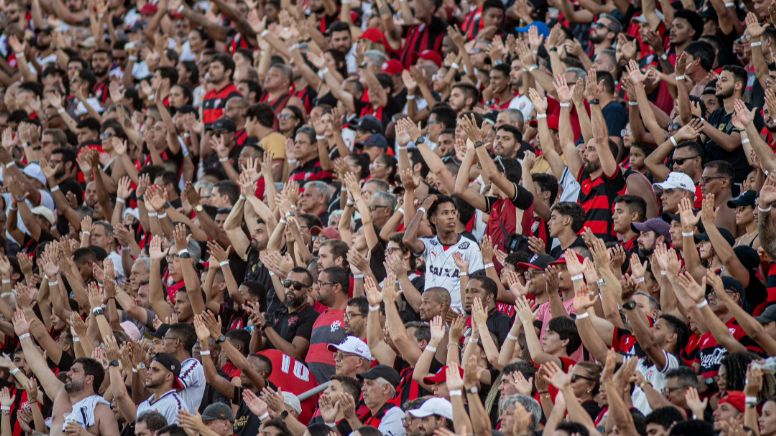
<point>396,217</point>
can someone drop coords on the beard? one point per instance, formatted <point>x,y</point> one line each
<point>591,166</point>
<point>724,94</point>
<point>72,386</point>
<point>596,38</point>
<point>296,302</point>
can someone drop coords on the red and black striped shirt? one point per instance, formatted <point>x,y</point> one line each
<point>422,37</point>
<point>597,199</point>
<point>310,171</point>
<point>214,102</point>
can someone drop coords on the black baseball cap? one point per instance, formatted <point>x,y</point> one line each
<point>700,237</point>
<point>172,364</point>
<point>745,199</point>
<point>768,315</point>
<point>217,411</point>
<point>370,124</point>
<point>537,261</point>
<point>382,371</point>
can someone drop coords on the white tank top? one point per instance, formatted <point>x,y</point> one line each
<point>83,411</point>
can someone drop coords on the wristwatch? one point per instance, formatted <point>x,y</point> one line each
<point>185,255</point>
<point>420,140</point>
<point>594,101</point>
<point>114,362</point>
<point>221,339</point>
<point>199,208</point>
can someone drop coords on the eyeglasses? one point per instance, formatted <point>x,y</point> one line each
<point>707,179</point>
<point>575,377</point>
<point>667,389</point>
<point>292,284</point>
<point>321,284</point>
<point>374,207</point>
<point>285,116</point>
<point>682,160</point>
<point>353,315</point>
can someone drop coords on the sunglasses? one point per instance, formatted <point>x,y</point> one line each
<point>682,160</point>
<point>575,377</point>
<point>292,284</point>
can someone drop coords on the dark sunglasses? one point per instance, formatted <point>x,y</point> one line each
<point>292,284</point>
<point>575,377</point>
<point>682,160</point>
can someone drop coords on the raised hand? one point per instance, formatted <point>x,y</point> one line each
<point>753,27</point>
<point>768,192</point>
<point>687,217</point>
<point>524,311</point>
<point>693,289</point>
<point>562,89</point>
<point>557,376</point>
<point>743,116</point>
<point>539,102</point>
<point>453,377</point>
<point>124,189</point>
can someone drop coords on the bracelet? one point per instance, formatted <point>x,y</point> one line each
<point>582,316</point>
<point>430,348</point>
<point>55,189</point>
<point>756,44</point>
<point>85,232</point>
<point>153,214</point>
<point>463,274</point>
<point>320,138</point>
<point>565,105</point>
<point>14,371</point>
<point>410,97</point>
<point>5,409</point>
<point>223,159</point>
<point>455,393</point>
<point>640,279</point>
<point>264,33</point>
<point>680,78</point>
<point>455,66</point>
<point>488,265</point>
<point>374,308</point>
<point>764,210</point>
<point>223,264</point>
<point>533,68</point>
<point>76,339</point>
<point>24,336</point>
<point>282,221</point>
<point>472,390</point>
<point>204,352</point>
<point>673,141</point>
<point>400,210</point>
<point>162,215</point>
<point>53,283</point>
<point>271,274</point>
<point>421,210</point>
<point>511,337</point>
<point>745,141</point>
<point>6,281</point>
<point>633,103</point>
<point>594,101</point>
<point>10,164</point>
<point>541,116</point>
<point>730,5</point>
<point>702,304</point>
<point>184,251</point>
<point>266,414</point>
<point>663,273</point>
<point>120,200</point>
<point>751,401</point>
<point>601,283</point>
<point>97,311</point>
<point>577,278</point>
<point>324,70</point>
<point>688,234</point>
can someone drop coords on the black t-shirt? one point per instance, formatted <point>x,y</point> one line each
<point>616,118</point>
<point>499,324</point>
<point>291,325</point>
<point>723,121</point>
<point>557,252</point>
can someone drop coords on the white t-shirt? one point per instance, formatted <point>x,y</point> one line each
<point>193,379</point>
<point>441,270</point>
<point>655,376</point>
<point>168,405</point>
<point>391,424</point>
<point>82,412</point>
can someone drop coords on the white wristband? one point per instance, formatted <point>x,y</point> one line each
<point>541,116</point>
<point>730,5</point>
<point>14,371</point>
<point>421,210</point>
<point>745,141</point>
<point>264,33</point>
<point>688,234</point>
<point>680,78</point>
<point>633,103</point>
<point>265,416</point>
<point>410,97</point>
<point>223,159</point>
<point>153,214</point>
<point>511,337</point>
<point>85,233</point>
<point>430,349</point>
<point>577,278</point>
<point>400,210</point>
<point>455,393</point>
<point>76,339</point>
<point>374,308</point>
<point>565,105</point>
<point>533,68</point>
<point>204,353</point>
<point>455,66</point>
<point>358,276</point>
<point>757,44</point>
<point>673,141</point>
<point>463,274</point>
<point>702,304</point>
<point>663,273</point>
<point>582,316</point>
<point>24,336</point>
<point>764,210</point>
<point>5,408</point>
<point>52,283</point>
<point>488,265</point>
<point>6,281</point>
<point>55,189</point>
<point>120,200</point>
<point>10,164</point>
<point>750,401</point>
<point>162,215</point>
<point>223,264</point>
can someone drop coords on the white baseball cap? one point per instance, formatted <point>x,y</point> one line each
<point>292,401</point>
<point>353,345</point>
<point>434,406</point>
<point>677,180</point>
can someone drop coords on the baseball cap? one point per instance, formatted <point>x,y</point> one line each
<point>700,237</point>
<point>431,55</point>
<point>292,401</point>
<point>376,140</point>
<point>44,212</point>
<point>745,199</point>
<point>439,377</point>
<point>368,123</point>
<point>384,372</point>
<point>34,171</point>
<point>537,261</point>
<point>392,67</point>
<point>217,411</point>
<point>768,315</point>
<point>657,225</point>
<point>736,399</point>
<point>352,345</point>
<point>434,406</point>
<point>747,256</point>
<point>542,27</point>
<point>732,284</point>
<point>677,180</point>
<point>131,330</point>
<point>562,259</point>
<point>373,34</point>
<point>169,362</point>
<point>223,125</point>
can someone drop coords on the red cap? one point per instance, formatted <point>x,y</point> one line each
<point>392,67</point>
<point>431,55</point>
<point>736,399</point>
<point>149,9</point>
<point>374,34</point>
<point>439,377</point>
<point>562,259</point>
